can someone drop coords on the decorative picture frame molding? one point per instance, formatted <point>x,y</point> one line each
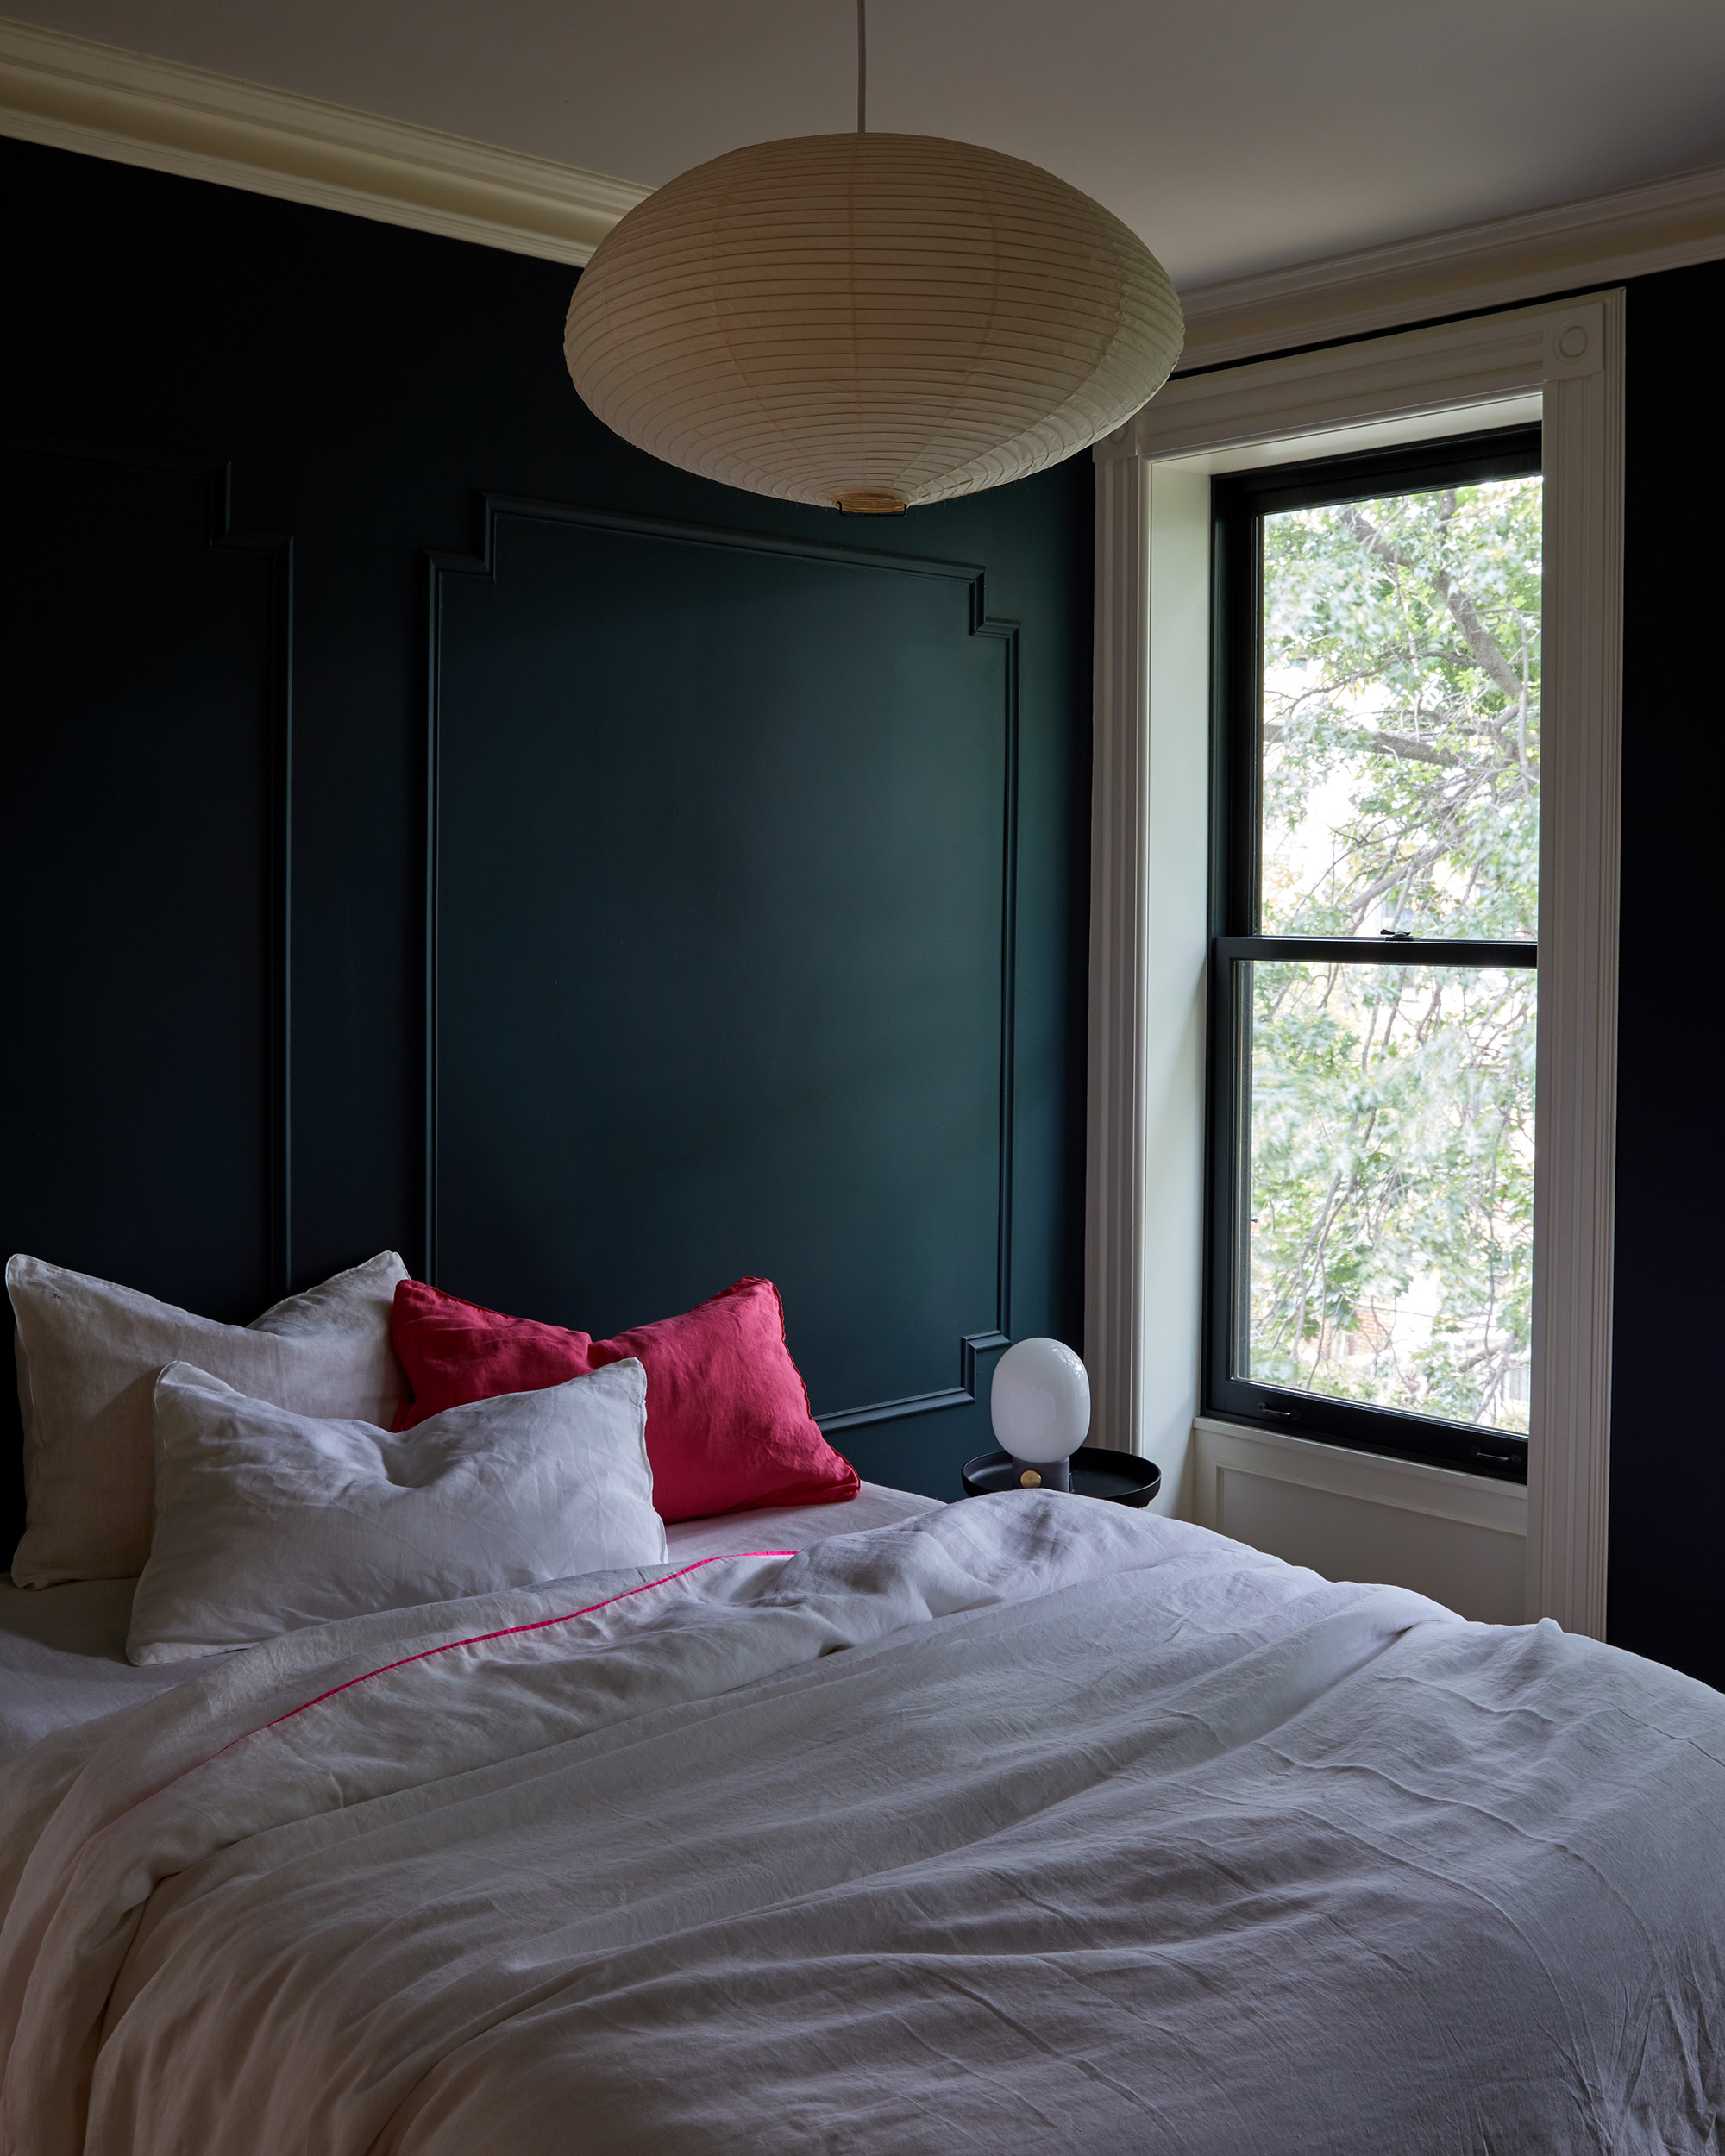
<point>442,569</point>
<point>1427,381</point>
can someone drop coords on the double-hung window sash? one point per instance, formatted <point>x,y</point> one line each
<point>1374,966</point>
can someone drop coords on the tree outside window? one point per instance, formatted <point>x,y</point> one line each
<point>1384,1135</point>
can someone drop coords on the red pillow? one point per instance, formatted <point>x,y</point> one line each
<point>728,1421</point>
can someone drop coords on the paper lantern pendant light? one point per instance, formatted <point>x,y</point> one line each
<point>870,321</point>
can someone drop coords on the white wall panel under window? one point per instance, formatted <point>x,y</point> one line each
<point>1460,1539</point>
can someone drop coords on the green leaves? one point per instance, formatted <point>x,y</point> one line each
<point>1401,714</point>
<point>1392,1107</point>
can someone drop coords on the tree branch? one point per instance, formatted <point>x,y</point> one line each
<point>1480,640</point>
<point>1392,745</point>
<point>1420,751</point>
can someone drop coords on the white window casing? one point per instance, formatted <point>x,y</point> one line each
<point>1563,364</point>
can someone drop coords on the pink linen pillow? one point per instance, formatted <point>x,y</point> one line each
<point>728,1420</point>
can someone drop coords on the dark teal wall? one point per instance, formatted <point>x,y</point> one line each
<point>657,884</point>
<point>1667,1525</point>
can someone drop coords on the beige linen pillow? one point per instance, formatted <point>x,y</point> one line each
<point>88,1356</point>
<point>267,1521</point>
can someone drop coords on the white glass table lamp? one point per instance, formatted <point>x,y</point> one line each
<point>1040,1405</point>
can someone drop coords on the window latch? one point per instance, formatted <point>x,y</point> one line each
<point>1283,1414</point>
<point>1398,935</point>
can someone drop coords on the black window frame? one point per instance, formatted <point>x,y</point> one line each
<point>1239,502</point>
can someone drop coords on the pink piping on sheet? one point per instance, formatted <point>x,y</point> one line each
<point>478,1640</point>
<point>507,1631</point>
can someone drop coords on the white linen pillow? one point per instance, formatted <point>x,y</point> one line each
<point>88,1355</point>
<point>268,1520</point>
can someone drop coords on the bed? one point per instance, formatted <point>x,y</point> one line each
<point>1026,1819</point>
<point>425,1730</point>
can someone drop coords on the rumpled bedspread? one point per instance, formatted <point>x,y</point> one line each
<point>1032,1824</point>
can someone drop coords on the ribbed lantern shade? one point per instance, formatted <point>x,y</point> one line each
<point>869,321</point>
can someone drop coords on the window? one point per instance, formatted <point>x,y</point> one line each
<point>1375,904</point>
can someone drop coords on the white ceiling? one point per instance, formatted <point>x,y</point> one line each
<point>1233,135</point>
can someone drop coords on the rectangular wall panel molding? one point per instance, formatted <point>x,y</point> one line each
<point>933,764</point>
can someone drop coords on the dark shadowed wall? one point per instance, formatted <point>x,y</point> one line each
<point>1667,1528</point>
<point>428,823</point>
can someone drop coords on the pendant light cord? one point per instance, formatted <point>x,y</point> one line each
<point>861,67</point>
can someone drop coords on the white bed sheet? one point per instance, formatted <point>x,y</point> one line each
<point>1032,1821</point>
<point>63,1649</point>
<point>63,1660</point>
<point>793,1526</point>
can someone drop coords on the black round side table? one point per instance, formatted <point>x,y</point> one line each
<point>1122,1478</point>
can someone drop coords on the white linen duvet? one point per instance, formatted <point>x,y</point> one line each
<point>1031,1823</point>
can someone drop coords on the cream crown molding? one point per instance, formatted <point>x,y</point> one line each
<point>75,94</point>
<point>1663,224</point>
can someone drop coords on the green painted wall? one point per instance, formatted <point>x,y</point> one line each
<point>654,884</point>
